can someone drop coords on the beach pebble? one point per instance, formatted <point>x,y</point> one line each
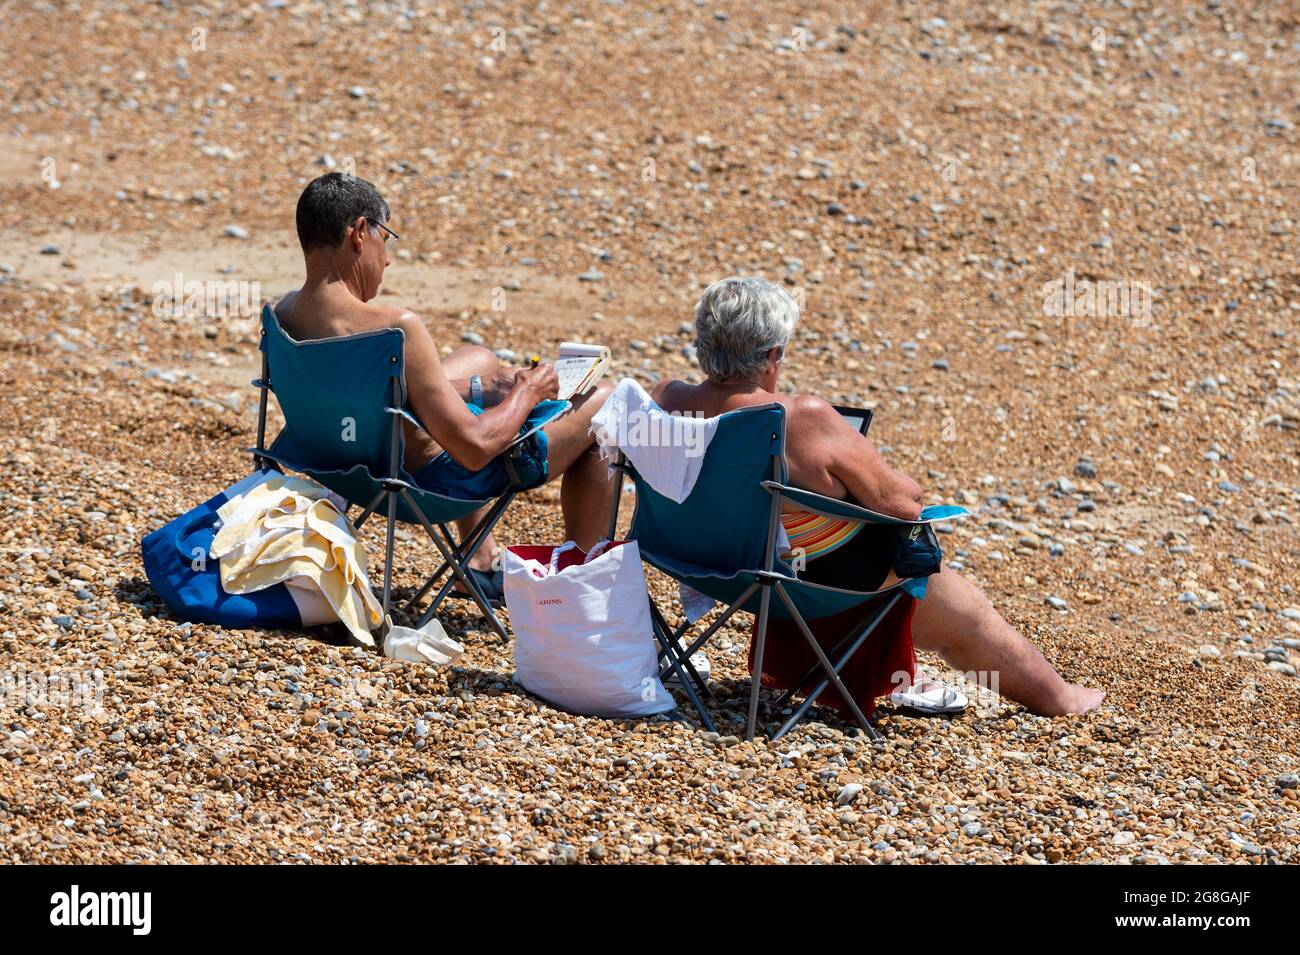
<point>848,794</point>
<point>545,150</point>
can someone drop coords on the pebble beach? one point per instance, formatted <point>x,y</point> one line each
<point>1053,245</point>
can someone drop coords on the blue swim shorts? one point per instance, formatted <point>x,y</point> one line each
<point>520,467</point>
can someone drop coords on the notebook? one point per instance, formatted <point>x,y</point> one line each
<point>580,366</point>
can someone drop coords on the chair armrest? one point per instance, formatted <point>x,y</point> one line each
<point>833,507</point>
<point>560,407</point>
<point>547,416</point>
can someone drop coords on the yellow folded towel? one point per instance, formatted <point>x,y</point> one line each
<point>286,529</point>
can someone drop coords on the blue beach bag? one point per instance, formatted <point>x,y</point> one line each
<point>189,581</point>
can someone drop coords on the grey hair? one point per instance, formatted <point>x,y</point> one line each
<point>737,322</point>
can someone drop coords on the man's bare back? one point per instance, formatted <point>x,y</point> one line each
<point>325,312</point>
<point>823,452</point>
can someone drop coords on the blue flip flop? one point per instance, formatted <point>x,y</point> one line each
<point>490,582</point>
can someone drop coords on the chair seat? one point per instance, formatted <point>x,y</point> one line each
<point>358,486</point>
<point>812,600</point>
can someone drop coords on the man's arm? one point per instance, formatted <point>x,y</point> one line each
<point>471,440</point>
<point>495,389</point>
<point>854,461</point>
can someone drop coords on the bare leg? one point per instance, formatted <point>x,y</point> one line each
<point>464,362</point>
<point>586,488</point>
<point>956,621</point>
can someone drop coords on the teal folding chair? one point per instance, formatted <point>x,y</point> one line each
<point>344,400</point>
<point>722,541</point>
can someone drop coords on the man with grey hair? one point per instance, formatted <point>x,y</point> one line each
<point>737,322</point>
<point>743,328</point>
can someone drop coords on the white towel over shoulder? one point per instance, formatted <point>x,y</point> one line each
<point>666,449</point>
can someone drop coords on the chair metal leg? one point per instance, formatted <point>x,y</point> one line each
<point>449,555</point>
<point>675,664</point>
<point>485,525</point>
<point>477,595</point>
<point>466,550</point>
<point>388,551</point>
<point>438,597</point>
<point>714,627</point>
<point>869,624</point>
<point>825,663</point>
<point>370,508</point>
<point>425,587</point>
<point>671,639</point>
<point>459,557</point>
<point>756,677</point>
<point>844,652</point>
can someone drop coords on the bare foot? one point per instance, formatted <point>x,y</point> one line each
<point>1076,700</point>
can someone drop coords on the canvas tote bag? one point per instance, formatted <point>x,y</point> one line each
<point>583,638</point>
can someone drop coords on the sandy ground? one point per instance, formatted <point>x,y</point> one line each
<point>918,175</point>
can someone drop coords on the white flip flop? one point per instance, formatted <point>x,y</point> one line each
<point>930,697</point>
<point>701,664</point>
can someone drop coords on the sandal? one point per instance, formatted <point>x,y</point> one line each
<point>930,697</point>
<point>490,582</point>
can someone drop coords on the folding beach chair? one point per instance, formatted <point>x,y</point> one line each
<point>722,541</point>
<point>343,401</point>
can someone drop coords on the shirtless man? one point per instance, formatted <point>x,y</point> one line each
<point>344,232</point>
<point>742,328</point>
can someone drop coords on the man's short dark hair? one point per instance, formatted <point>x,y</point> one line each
<point>333,202</point>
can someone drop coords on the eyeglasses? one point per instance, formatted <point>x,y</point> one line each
<point>391,237</point>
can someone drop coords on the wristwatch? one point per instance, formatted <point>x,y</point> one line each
<point>476,390</point>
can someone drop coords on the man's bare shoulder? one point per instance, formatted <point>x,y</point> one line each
<point>809,415</point>
<point>317,316</point>
<point>659,393</point>
<point>809,410</point>
<point>387,316</point>
<point>284,307</point>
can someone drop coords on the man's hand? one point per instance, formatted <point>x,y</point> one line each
<point>542,382</point>
<point>495,391</point>
<point>472,440</point>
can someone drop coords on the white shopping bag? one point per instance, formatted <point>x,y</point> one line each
<point>583,639</point>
